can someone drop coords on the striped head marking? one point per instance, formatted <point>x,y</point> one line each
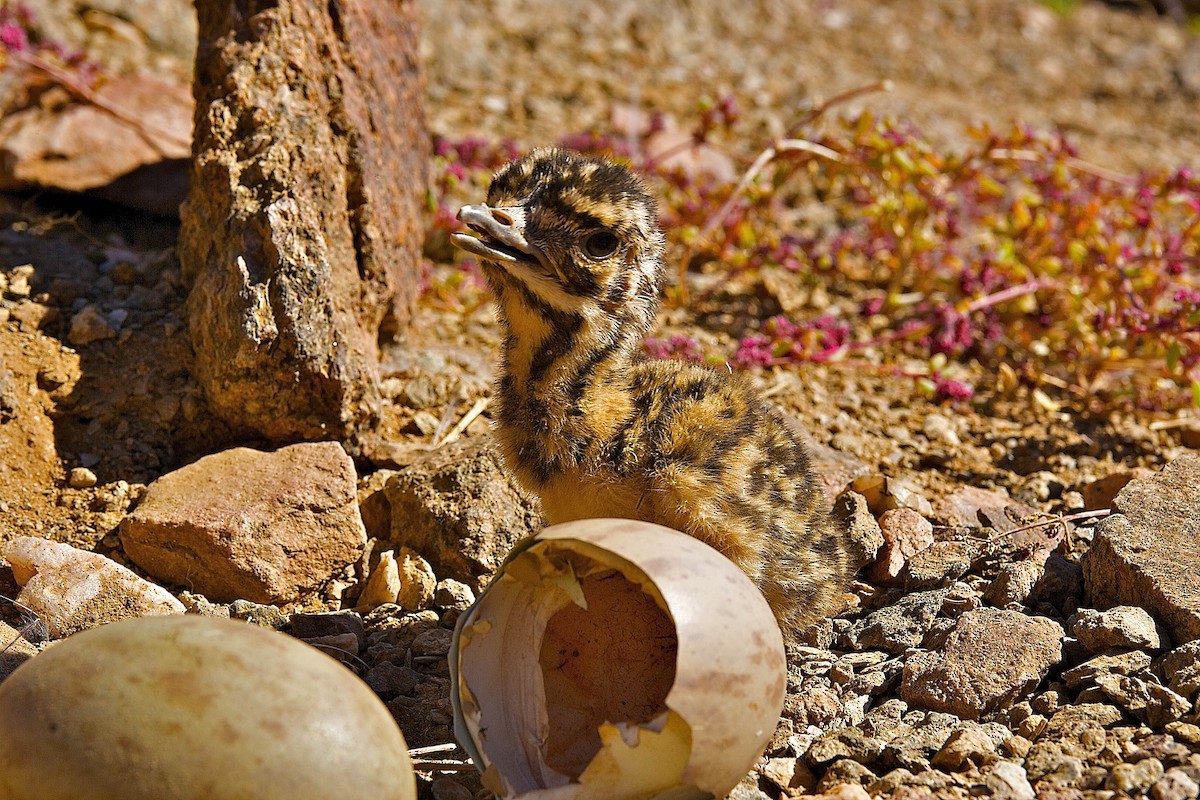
<point>575,233</point>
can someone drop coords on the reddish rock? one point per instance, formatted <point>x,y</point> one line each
<point>78,146</point>
<point>1101,492</point>
<point>833,468</point>
<point>302,233</point>
<point>990,659</point>
<point>1148,554</point>
<point>972,506</point>
<point>245,524</point>
<point>850,510</point>
<point>905,533</point>
<point>461,509</point>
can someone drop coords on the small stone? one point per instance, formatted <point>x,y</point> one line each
<point>1100,493</point>
<point>1175,784</point>
<point>938,428</point>
<point>884,493</point>
<point>341,646</point>
<point>89,325</point>
<point>1119,664</point>
<point>1032,726</point>
<point>1008,781</point>
<point>967,747</point>
<point>791,775</point>
<point>852,513</point>
<point>452,594</point>
<point>1146,700</point>
<point>843,772</point>
<point>1148,554</point>
<point>81,478</point>
<point>199,604</point>
<point>336,623</point>
<point>383,586</point>
<point>1061,584</point>
<point>1184,732</point>
<point>417,581</point>
<point>425,423</point>
<point>72,590</point>
<point>33,316</point>
<point>18,281</point>
<point>847,742</point>
<point>897,627</point>
<point>940,563</point>
<point>388,679</point>
<point>1015,583</point>
<point>433,642</point>
<point>1127,627</point>
<point>748,790</point>
<point>460,507</point>
<point>905,533</point>
<point>990,659</point>
<point>1181,669</point>
<point>260,614</point>
<point>1039,487</point>
<point>1135,779</point>
<point>971,506</point>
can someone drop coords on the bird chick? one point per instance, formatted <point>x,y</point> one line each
<point>572,250</point>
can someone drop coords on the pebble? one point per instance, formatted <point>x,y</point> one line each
<point>1175,784</point>
<point>1181,669</point>
<point>452,594</point>
<point>433,642</point>
<point>417,581</point>
<point>905,533</point>
<point>1008,781</point>
<point>81,478</point>
<point>389,679</point>
<point>1127,627</point>
<point>940,563</point>
<point>1118,664</point>
<point>884,493</point>
<point>853,513</point>
<point>90,325</point>
<point>897,627</point>
<point>1135,779</point>
<point>383,585</point>
<point>938,428</point>
<point>1015,583</point>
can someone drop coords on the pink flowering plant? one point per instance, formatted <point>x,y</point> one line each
<point>1014,257</point>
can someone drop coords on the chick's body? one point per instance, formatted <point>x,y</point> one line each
<point>572,250</point>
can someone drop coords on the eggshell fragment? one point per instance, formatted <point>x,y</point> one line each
<point>194,708</point>
<point>615,659</point>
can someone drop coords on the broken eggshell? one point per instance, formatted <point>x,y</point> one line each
<point>616,659</point>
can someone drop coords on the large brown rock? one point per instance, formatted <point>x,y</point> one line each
<point>1148,554</point>
<point>461,509</point>
<point>302,232</point>
<point>145,124</point>
<point>244,524</point>
<point>990,658</point>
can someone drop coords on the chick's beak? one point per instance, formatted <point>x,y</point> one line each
<point>501,235</point>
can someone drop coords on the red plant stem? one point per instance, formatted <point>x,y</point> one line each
<point>1020,290</point>
<point>1100,512</point>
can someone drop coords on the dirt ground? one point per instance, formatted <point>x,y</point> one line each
<point>1125,86</point>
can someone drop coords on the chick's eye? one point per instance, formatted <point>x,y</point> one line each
<point>600,244</point>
